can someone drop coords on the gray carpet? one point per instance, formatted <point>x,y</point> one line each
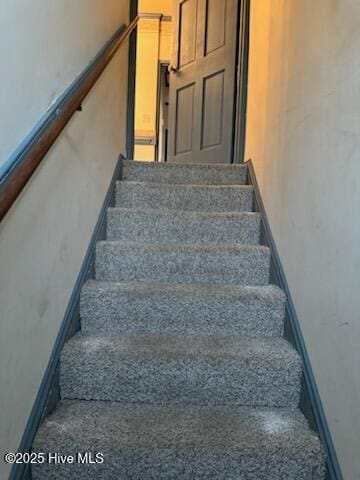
<point>195,174</point>
<point>180,370</point>
<point>183,309</point>
<point>168,369</point>
<point>182,263</point>
<point>142,442</point>
<point>177,226</point>
<point>201,198</point>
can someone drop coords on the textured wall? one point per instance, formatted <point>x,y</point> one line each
<point>44,237</point>
<point>303,135</point>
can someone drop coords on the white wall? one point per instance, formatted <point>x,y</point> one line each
<point>44,237</point>
<point>303,135</point>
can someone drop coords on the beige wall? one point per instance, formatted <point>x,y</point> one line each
<point>45,235</point>
<point>43,46</point>
<point>156,6</point>
<point>147,65</point>
<point>303,135</point>
<point>153,45</point>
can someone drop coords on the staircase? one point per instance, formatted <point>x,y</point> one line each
<point>180,370</point>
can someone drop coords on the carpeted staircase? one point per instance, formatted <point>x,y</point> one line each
<point>180,370</point>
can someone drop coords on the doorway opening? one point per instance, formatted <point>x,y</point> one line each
<point>191,78</point>
<point>153,54</point>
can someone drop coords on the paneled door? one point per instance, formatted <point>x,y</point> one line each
<point>202,81</point>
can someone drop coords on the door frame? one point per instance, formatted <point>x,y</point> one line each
<point>241,87</point>
<point>130,113</point>
<point>161,63</point>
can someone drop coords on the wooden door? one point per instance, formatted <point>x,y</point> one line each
<point>202,81</point>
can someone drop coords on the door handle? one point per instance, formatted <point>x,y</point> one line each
<point>172,68</point>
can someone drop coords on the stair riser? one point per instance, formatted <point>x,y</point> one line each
<point>119,312</point>
<point>111,377</point>
<point>216,199</point>
<point>180,227</point>
<point>116,262</point>
<point>185,174</point>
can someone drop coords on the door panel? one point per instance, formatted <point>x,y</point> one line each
<point>202,87</point>
<point>184,119</point>
<point>215,27</point>
<point>187,32</point>
<point>212,117</point>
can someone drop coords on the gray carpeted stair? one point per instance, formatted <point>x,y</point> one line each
<point>183,309</point>
<point>142,442</point>
<point>167,226</point>
<point>159,369</point>
<point>195,174</point>
<point>180,370</point>
<point>180,263</point>
<point>202,198</point>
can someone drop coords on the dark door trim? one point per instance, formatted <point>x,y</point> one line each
<point>161,63</point>
<point>242,82</point>
<point>131,85</point>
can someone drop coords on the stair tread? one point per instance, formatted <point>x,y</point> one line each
<point>187,186</point>
<point>159,225</point>
<point>184,166</point>
<point>141,441</point>
<point>176,173</point>
<point>186,213</point>
<point>144,288</point>
<point>186,247</point>
<point>239,264</point>
<point>155,426</point>
<point>207,309</point>
<point>198,197</point>
<point>152,345</point>
<point>188,369</point>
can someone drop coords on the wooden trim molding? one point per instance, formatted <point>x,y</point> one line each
<point>31,155</point>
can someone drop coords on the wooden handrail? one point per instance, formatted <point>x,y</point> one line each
<point>40,143</point>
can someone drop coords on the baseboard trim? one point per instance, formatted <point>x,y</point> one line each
<point>310,402</point>
<point>48,394</point>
